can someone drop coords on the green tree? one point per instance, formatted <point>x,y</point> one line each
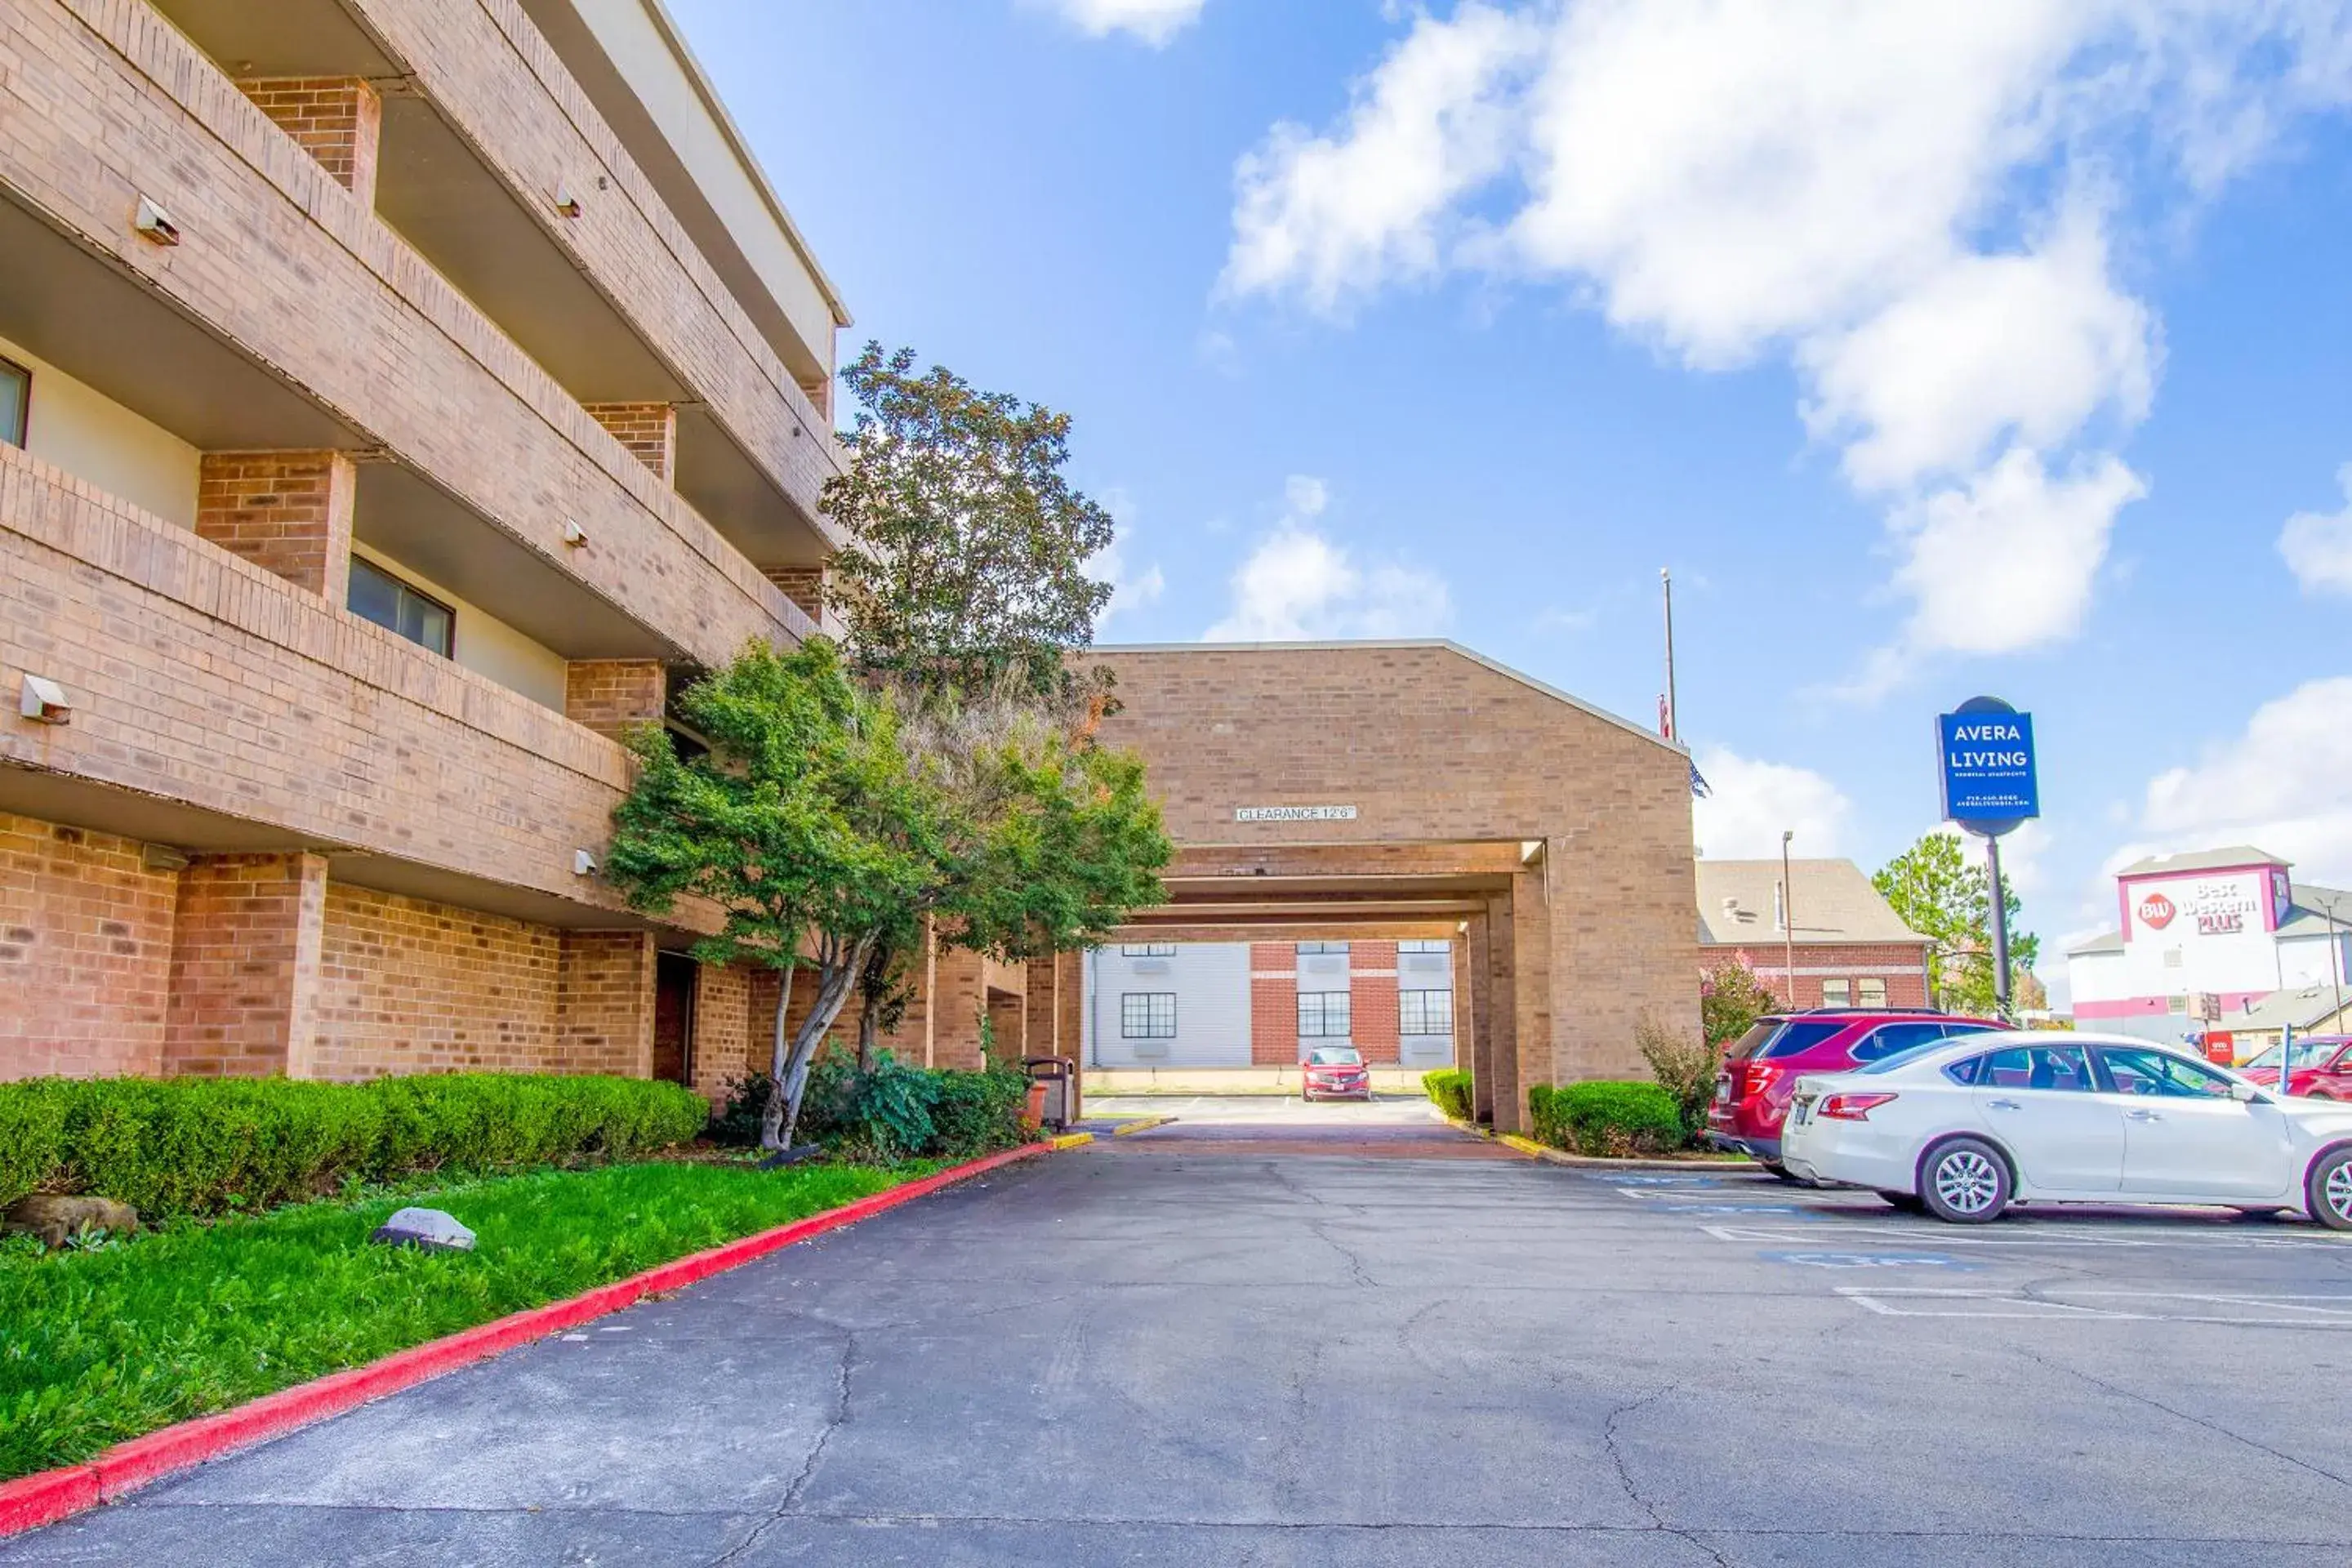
<point>804,826</point>
<point>963,566</point>
<point>1730,998</point>
<point>1945,895</point>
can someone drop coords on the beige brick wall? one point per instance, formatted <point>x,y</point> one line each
<point>605,1003</point>
<point>723,1028</point>
<point>647,430</point>
<point>245,966</point>
<point>289,513</point>
<point>407,986</point>
<point>85,951</point>
<point>614,696</point>
<point>337,120</point>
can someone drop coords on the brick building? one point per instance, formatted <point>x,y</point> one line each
<point>1851,948</point>
<point>395,397</point>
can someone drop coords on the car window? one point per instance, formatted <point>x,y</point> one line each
<point>1748,1044</point>
<point>2061,1068</point>
<point>1896,1060</point>
<point>1333,1056</point>
<point>2161,1073</point>
<point>1800,1035</point>
<point>1888,1039</point>
<point>1967,1070</point>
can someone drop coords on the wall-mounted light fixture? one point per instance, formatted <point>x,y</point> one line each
<point>45,701</point>
<point>573,534</point>
<point>583,863</point>
<point>155,223</point>
<point>566,204</point>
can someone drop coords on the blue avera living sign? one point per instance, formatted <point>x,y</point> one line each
<point>1987,764</point>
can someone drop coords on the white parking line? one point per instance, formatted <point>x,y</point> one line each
<point>2253,1308</point>
<point>1901,1233</point>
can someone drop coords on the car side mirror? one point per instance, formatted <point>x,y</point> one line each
<point>2244,1094</point>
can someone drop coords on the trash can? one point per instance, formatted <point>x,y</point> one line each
<point>1051,1080</point>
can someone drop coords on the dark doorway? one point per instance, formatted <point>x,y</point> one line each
<point>673,1017</point>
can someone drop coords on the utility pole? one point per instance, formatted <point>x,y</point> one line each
<point>1788,918</point>
<point>1670,720</point>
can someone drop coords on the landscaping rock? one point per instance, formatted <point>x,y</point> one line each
<point>428,1228</point>
<point>53,1219</point>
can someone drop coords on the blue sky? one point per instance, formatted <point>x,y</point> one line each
<point>2006,350</point>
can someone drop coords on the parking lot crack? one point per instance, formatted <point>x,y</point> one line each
<point>1355,1259</point>
<point>836,1418</point>
<point>2213,1427</point>
<point>1634,1492</point>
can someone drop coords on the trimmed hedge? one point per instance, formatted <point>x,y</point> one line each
<point>1450,1087</point>
<point>206,1146</point>
<point>1606,1119</point>
<point>895,1112</point>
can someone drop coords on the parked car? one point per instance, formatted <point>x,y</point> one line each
<point>1966,1128</point>
<point>2322,1067</point>
<point>1335,1072</point>
<point>1760,1069</point>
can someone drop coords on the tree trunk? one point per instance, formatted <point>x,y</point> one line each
<point>873,984</point>
<point>771,1115</point>
<point>834,980</point>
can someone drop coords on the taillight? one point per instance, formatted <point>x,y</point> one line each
<point>1850,1107</point>
<point>1761,1077</point>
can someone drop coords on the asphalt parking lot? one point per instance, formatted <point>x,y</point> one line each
<point>1173,1347</point>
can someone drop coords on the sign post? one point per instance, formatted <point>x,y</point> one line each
<point>1986,767</point>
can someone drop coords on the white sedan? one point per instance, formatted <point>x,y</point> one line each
<point>1966,1128</point>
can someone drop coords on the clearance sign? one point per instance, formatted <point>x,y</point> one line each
<point>1987,765</point>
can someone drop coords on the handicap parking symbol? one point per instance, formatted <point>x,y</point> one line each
<point>1867,1260</point>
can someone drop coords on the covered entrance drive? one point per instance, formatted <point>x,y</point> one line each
<point>1414,793</point>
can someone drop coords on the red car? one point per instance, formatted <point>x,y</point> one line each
<point>2321,1069</point>
<point>1760,1069</point>
<point>1335,1072</point>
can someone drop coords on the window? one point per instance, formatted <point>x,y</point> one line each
<point>1789,1039</point>
<point>1424,1012</point>
<point>1439,946</point>
<point>377,595</point>
<point>1837,992</point>
<point>2161,1073</point>
<point>1888,1039</point>
<point>1322,1014</point>
<point>1334,1056</point>
<point>1147,950</point>
<point>1307,948</point>
<point>1147,1015</point>
<point>1873,993</point>
<point>2061,1067</point>
<point>15,401</point>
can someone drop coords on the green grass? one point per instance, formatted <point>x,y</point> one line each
<point>102,1345</point>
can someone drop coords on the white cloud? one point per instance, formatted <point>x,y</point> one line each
<point>1132,588</point>
<point>2284,785</point>
<point>1153,21</point>
<point>1900,198</point>
<point>1333,218</point>
<point>2318,546</point>
<point>1751,802</point>
<point>1300,585</point>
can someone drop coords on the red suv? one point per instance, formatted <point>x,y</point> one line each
<point>1760,1069</point>
<point>2322,1067</point>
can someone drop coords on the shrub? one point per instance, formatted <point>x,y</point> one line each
<point>898,1111</point>
<point>204,1146</point>
<point>978,1112</point>
<point>1450,1087</point>
<point>1612,1119</point>
<point>32,1137</point>
<point>1684,1065</point>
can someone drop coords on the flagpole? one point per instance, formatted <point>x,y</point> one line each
<point>1666,590</point>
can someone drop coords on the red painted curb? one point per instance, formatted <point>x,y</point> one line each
<point>31,1501</point>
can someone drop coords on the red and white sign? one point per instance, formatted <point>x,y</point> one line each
<point>2155,911</point>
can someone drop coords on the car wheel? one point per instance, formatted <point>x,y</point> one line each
<point>1909,1203</point>
<point>2328,1189</point>
<point>1964,1180</point>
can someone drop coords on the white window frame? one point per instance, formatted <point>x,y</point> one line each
<point>1314,1022</point>
<point>1845,988</point>
<point>1421,1011</point>
<point>1152,1020</point>
<point>1864,989</point>
<point>1147,950</point>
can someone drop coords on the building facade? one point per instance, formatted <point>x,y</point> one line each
<point>2205,940</point>
<point>397,398</point>
<point>1232,1005</point>
<point>1850,948</point>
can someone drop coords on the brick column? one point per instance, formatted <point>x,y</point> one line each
<point>1464,1053</point>
<point>803,585</point>
<point>605,1003</point>
<point>1274,1004</point>
<point>337,120</point>
<point>614,696</point>
<point>246,947</point>
<point>649,430</point>
<point>958,997</point>
<point>1536,1059</point>
<point>1372,1000</point>
<point>1502,1011</point>
<point>287,513</point>
<point>1477,981</point>
<point>1070,1020</point>
<point>723,1029</point>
